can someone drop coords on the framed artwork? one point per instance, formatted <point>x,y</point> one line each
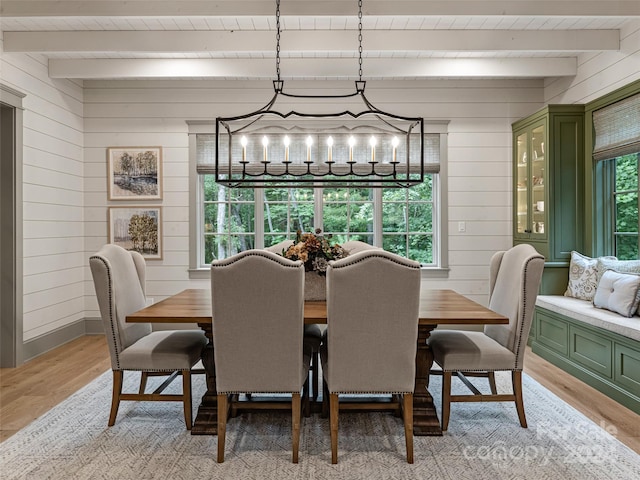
<point>138,229</point>
<point>134,173</point>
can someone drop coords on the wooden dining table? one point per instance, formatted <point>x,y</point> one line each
<point>437,307</point>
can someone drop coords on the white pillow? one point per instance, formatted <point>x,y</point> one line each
<point>618,292</point>
<point>583,278</point>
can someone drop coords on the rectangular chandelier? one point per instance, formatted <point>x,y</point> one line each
<point>288,148</point>
<point>268,148</point>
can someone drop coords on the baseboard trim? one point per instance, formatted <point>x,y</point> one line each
<point>44,343</point>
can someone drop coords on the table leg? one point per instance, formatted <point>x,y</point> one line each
<point>206,422</point>
<point>425,417</point>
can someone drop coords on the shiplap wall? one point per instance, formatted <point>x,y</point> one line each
<point>68,128</point>
<point>53,191</point>
<point>139,113</point>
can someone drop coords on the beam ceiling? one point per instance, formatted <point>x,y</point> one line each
<point>236,38</point>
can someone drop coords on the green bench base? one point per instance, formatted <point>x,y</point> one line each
<point>605,360</point>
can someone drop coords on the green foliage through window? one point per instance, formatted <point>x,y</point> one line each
<point>406,217</point>
<point>625,196</point>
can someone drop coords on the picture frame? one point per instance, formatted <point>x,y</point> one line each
<point>134,173</point>
<point>137,228</point>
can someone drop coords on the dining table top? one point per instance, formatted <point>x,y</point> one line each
<point>437,307</point>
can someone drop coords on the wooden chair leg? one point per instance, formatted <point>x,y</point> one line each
<point>333,413</point>
<point>295,426</point>
<point>143,382</point>
<point>446,399</point>
<point>516,380</point>
<point>325,400</point>
<point>316,378</point>
<point>222,425</point>
<point>305,396</point>
<point>115,397</point>
<point>186,396</point>
<point>407,409</point>
<point>492,382</point>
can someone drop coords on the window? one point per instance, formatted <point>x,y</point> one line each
<point>624,204</point>
<point>616,151</point>
<point>228,220</point>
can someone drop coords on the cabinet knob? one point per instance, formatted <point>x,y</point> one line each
<point>527,231</point>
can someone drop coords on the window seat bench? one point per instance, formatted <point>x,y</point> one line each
<point>599,347</point>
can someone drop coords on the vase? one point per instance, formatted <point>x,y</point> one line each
<point>315,286</point>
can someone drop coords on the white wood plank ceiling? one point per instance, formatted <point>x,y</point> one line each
<point>235,39</point>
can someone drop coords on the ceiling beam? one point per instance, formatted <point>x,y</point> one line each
<point>241,8</point>
<point>305,68</point>
<point>314,41</point>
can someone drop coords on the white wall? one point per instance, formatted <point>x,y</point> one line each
<point>147,113</point>
<point>68,128</point>
<point>53,200</point>
<point>600,73</point>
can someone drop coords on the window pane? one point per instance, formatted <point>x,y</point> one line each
<point>627,212</point>
<point>394,217</point>
<point>421,248</point>
<point>625,198</point>
<point>627,173</point>
<point>420,218</point>
<point>395,244</point>
<point>210,217</point>
<point>335,217</point>
<point>215,247</point>
<point>243,217</point>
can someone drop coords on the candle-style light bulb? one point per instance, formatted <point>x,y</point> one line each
<point>373,142</point>
<point>243,142</point>
<point>287,141</point>
<point>265,143</point>
<point>309,143</point>
<point>352,143</point>
<point>330,148</point>
<point>394,143</point>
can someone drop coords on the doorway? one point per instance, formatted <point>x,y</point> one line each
<point>11,328</point>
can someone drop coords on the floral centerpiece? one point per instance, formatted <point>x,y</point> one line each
<point>315,251</point>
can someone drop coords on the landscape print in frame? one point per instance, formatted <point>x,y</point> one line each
<point>137,228</point>
<point>134,173</point>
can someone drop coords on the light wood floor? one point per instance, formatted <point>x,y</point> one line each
<point>30,390</point>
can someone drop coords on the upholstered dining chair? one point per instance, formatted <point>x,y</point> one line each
<point>258,319</point>
<point>373,302</point>
<point>312,341</point>
<point>514,282</point>
<point>119,278</point>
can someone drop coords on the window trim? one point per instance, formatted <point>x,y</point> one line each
<point>440,195</point>
<point>599,216</point>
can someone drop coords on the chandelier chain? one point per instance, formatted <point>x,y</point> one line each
<point>359,39</point>
<point>278,39</point>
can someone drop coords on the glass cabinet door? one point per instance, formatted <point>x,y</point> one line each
<point>522,174</point>
<point>537,180</point>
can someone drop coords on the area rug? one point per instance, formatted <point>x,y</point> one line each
<point>149,441</point>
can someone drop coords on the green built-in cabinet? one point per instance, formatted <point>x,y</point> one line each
<point>607,361</point>
<point>548,187</point>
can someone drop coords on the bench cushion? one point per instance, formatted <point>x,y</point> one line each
<point>584,311</point>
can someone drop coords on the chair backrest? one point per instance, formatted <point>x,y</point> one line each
<point>258,321</point>
<point>373,301</point>
<point>514,283</point>
<point>279,247</point>
<point>119,279</point>
<point>357,246</point>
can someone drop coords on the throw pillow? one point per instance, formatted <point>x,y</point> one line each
<point>583,278</point>
<point>621,266</point>
<point>618,292</point>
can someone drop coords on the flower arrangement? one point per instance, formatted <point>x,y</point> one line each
<point>315,251</point>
